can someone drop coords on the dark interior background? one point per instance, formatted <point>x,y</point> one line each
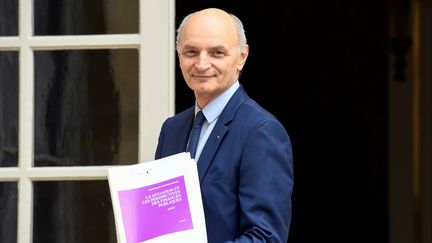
<point>322,68</point>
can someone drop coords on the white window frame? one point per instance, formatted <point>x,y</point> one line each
<point>155,43</point>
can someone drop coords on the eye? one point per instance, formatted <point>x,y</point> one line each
<point>190,53</point>
<point>218,53</point>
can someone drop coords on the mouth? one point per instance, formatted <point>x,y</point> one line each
<point>203,77</point>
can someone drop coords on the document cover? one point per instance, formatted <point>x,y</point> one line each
<point>158,201</point>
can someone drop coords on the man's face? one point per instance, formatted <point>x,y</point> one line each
<point>209,55</point>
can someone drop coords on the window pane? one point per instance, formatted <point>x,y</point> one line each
<point>8,17</point>
<point>73,211</point>
<point>8,212</point>
<point>81,17</point>
<point>8,108</point>
<point>86,107</point>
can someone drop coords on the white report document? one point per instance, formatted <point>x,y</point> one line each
<point>158,201</point>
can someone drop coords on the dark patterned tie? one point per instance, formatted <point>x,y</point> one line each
<point>195,134</point>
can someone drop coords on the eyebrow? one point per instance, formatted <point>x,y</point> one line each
<point>188,47</point>
<point>218,47</point>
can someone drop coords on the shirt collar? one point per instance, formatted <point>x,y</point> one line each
<point>213,109</point>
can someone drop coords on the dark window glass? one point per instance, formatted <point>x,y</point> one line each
<point>82,17</point>
<point>86,107</point>
<point>8,212</point>
<point>8,17</point>
<point>73,211</point>
<point>8,108</point>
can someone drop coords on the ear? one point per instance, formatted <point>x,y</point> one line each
<point>243,56</point>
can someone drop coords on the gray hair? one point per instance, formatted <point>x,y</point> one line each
<point>241,36</point>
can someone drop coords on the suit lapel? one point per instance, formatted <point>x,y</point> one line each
<point>217,135</point>
<point>185,130</point>
<point>210,148</point>
<point>182,138</point>
<point>178,133</point>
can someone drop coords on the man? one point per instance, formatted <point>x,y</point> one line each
<point>244,155</point>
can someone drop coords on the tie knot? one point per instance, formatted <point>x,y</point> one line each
<point>199,118</point>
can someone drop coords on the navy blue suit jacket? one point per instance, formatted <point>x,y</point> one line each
<point>245,171</point>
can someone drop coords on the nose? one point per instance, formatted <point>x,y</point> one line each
<point>203,62</point>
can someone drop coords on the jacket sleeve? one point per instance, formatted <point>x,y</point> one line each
<point>266,185</point>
